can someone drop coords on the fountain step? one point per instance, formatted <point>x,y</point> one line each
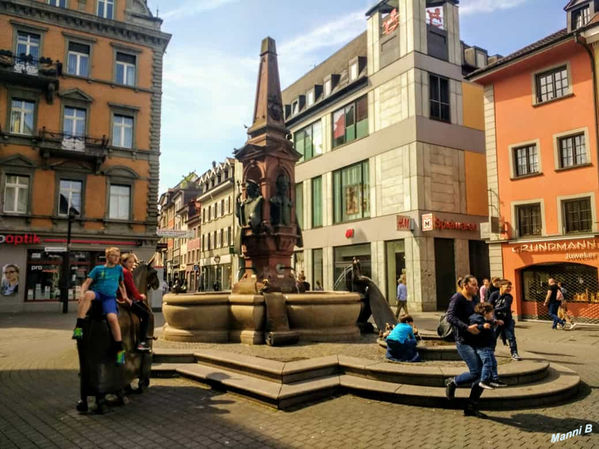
<point>529,370</point>
<point>560,384</point>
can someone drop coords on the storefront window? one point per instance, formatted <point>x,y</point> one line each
<point>580,281</point>
<point>344,256</point>
<point>396,265</point>
<point>317,269</point>
<point>44,272</point>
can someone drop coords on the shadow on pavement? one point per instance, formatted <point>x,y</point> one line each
<point>535,422</point>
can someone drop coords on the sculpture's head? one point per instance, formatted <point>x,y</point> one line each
<point>282,183</point>
<point>252,188</point>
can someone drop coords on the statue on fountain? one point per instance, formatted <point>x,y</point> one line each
<point>249,211</point>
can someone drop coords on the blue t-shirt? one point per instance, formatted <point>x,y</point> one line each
<point>402,332</point>
<point>106,280</point>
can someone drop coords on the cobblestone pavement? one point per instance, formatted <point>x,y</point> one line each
<point>39,384</point>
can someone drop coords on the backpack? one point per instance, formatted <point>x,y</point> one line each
<point>445,329</point>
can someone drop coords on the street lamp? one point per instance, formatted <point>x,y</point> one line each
<point>216,261</point>
<point>66,267</point>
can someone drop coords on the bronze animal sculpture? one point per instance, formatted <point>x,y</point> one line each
<point>99,375</point>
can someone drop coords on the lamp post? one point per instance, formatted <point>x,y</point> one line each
<point>66,266</point>
<point>216,261</point>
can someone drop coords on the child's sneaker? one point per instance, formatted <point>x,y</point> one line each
<point>120,357</point>
<point>77,334</point>
<point>143,346</point>
<point>486,385</point>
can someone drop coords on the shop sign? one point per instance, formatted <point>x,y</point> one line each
<point>19,239</point>
<point>404,223</point>
<point>434,17</point>
<point>557,247</point>
<point>430,222</point>
<point>173,233</point>
<point>391,22</point>
<point>55,249</point>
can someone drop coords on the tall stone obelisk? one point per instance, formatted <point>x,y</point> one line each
<point>266,206</point>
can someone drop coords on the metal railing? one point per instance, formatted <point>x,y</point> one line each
<point>70,142</point>
<point>28,65</point>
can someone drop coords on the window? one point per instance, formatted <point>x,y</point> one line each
<point>317,269</point>
<point>529,220</point>
<point>439,98</point>
<point>28,44</point>
<point>119,202</point>
<point>310,98</point>
<point>299,204</point>
<point>106,8</point>
<point>552,84</point>
<point>69,196</point>
<point>203,242</point>
<point>295,107</point>
<point>59,3</point>
<point>222,207</point>
<point>580,17</point>
<point>578,215</point>
<point>16,194</point>
<point>229,236</point>
<point>308,141</point>
<point>122,131</point>
<point>351,196</point>
<point>328,87</point>
<point>74,122</point>
<point>78,59</point>
<point>526,160</point>
<point>572,151</point>
<point>317,202</point>
<point>125,69</point>
<point>350,122</point>
<point>21,117</point>
<point>353,72</point>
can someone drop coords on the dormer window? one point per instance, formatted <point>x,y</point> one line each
<point>353,71</point>
<point>295,107</point>
<point>328,87</point>
<point>310,97</point>
<point>580,17</point>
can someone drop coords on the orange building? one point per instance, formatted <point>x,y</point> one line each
<point>80,103</point>
<point>542,167</point>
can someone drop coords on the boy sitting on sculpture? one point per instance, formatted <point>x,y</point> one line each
<point>101,285</point>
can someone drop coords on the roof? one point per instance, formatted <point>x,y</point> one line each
<point>336,63</point>
<point>540,44</point>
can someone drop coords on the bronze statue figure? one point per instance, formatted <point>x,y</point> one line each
<point>249,211</point>
<point>280,204</point>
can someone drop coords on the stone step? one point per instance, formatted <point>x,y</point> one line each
<point>513,373</point>
<point>560,384</point>
<point>274,394</point>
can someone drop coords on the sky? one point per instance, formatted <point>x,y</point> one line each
<point>211,63</point>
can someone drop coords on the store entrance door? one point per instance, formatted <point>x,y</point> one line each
<point>444,271</point>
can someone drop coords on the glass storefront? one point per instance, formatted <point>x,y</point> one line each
<point>317,269</point>
<point>579,280</point>
<point>44,270</point>
<point>396,266</point>
<point>343,256</point>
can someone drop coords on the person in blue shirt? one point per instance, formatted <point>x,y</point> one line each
<point>101,285</point>
<point>484,318</point>
<point>401,342</point>
<point>402,296</point>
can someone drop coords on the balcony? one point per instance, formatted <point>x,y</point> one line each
<point>54,144</point>
<point>27,71</point>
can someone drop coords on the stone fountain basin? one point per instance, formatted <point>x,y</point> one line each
<point>221,317</point>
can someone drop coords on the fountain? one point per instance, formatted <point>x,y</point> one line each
<point>265,304</point>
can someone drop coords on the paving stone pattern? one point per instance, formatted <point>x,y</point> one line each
<point>39,385</point>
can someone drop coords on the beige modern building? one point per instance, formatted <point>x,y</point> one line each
<point>393,169</point>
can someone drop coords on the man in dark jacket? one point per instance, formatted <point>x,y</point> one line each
<point>502,302</point>
<point>461,306</point>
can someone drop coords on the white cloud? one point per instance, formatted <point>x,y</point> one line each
<point>192,7</point>
<point>486,6</point>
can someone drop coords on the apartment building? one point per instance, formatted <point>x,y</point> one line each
<point>393,169</point>
<point>80,101</point>
<point>542,177</point>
